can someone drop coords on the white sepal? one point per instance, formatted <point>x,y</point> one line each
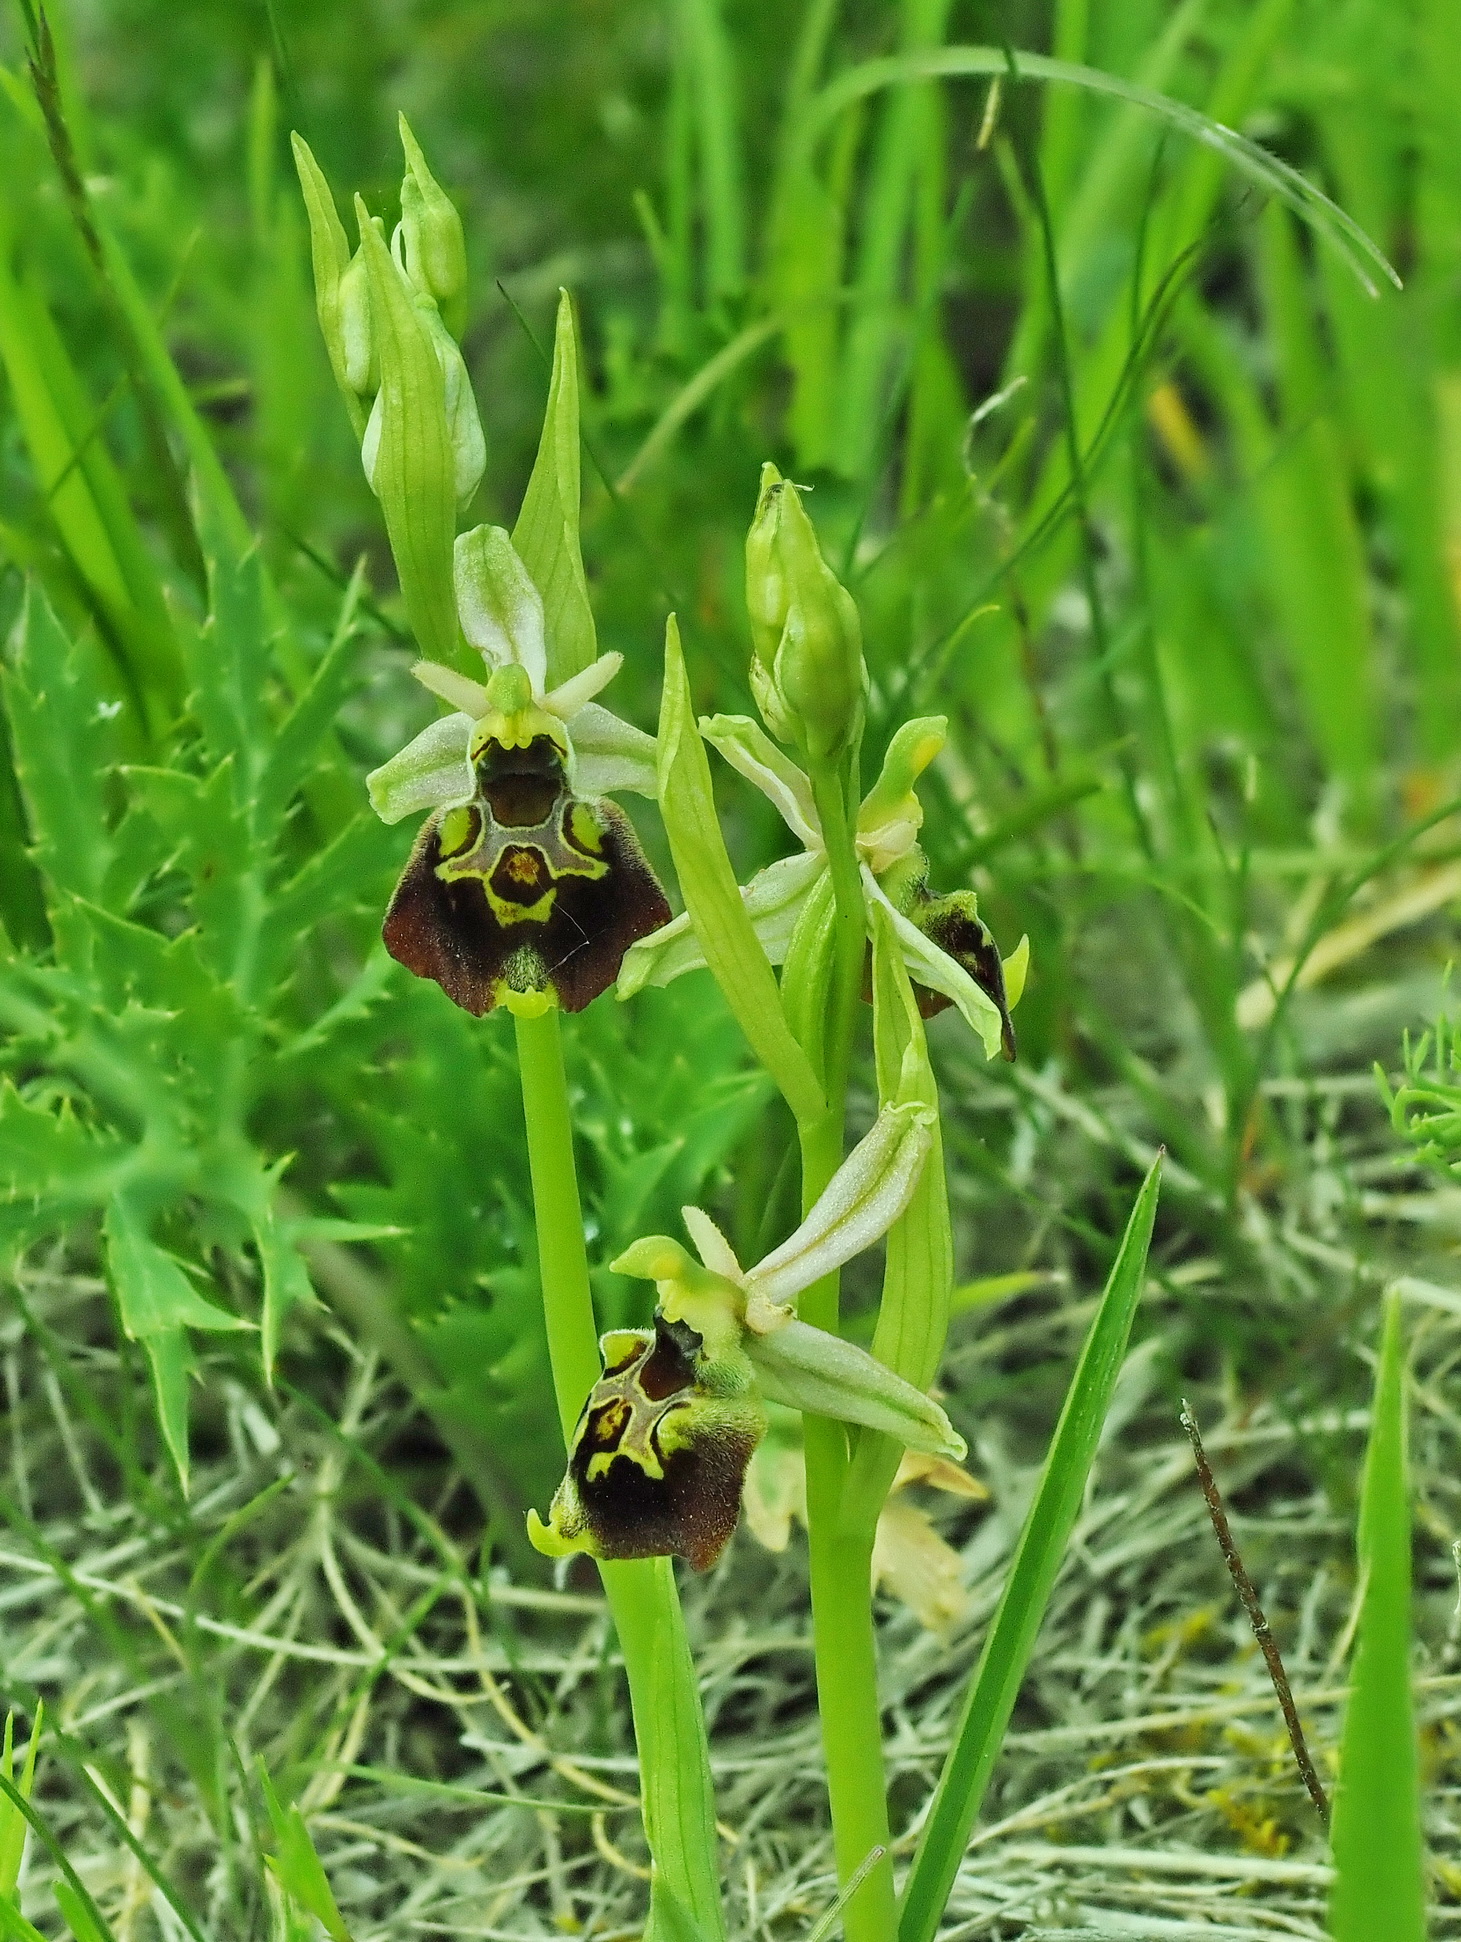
<point>500,610</point>
<point>464,694</point>
<point>808,1369</point>
<point>574,694</point>
<point>753,754</point>
<point>928,965</point>
<point>859,1204</point>
<point>773,898</point>
<point>429,773</point>
<point>610,754</point>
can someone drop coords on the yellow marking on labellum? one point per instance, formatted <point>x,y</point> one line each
<point>457,826</point>
<point>583,828</point>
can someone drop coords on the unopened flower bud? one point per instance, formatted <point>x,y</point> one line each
<point>808,675</point>
<point>767,598</point>
<point>436,251</point>
<point>360,362</point>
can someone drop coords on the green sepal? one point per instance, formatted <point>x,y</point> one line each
<point>546,533</point>
<point>712,895</point>
<point>330,256</point>
<point>414,468</point>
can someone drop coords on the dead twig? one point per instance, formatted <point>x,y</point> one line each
<point>1266,1644</point>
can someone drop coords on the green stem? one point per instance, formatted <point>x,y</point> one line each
<point>669,1726</point>
<point>841,1577</point>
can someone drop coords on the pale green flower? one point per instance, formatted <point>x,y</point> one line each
<point>948,951</point>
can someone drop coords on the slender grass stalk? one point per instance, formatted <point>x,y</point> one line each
<point>669,1727</point>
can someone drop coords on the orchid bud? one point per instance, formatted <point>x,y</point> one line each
<point>808,674</point>
<point>360,362</point>
<point>330,260</point>
<point>436,251</point>
<point>407,451</point>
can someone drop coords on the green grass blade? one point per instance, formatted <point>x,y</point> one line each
<point>1276,178</point>
<point>1379,1858</point>
<point>909,141</point>
<point>1007,1649</point>
<point>12,1821</point>
<point>710,65</point>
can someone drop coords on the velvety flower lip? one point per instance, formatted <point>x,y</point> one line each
<point>661,1447</point>
<point>949,953</point>
<point>526,885</point>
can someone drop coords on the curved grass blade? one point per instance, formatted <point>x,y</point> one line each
<point>1379,1856</point>
<point>1327,220</point>
<point>1001,1668</point>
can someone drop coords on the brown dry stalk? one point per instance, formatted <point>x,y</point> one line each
<point>1266,1644</point>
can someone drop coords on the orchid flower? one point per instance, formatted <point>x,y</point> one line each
<point>526,885</point>
<point>949,952</point>
<point>660,1451</point>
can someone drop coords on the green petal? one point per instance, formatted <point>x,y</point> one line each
<point>753,754</point>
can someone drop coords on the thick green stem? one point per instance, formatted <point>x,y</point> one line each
<point>842,1621</point>
<point>669,1727</point>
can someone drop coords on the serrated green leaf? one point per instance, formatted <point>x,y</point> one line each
<point>153,1293</point>
<point>287,764</point>
<point>286,1281</point>
<point>52,1160</point>
<point>158,1305</point>
<point>212,843</point>
<point>64,742</point>
<point>546,533</point>
<point>229,657</point>
<point>360,858</point>
<point>129,964</point>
